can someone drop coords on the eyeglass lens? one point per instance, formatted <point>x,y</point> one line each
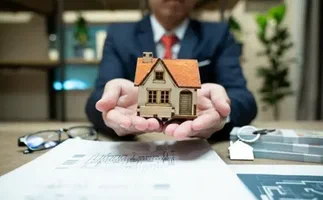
<point>42,140</point>
<point>49,139</point>
<point>87,133</point>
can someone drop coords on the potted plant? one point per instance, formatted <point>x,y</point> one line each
<point>276,41</point>
<point>81,36</point>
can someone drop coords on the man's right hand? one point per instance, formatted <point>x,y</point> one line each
<point>119,109</point>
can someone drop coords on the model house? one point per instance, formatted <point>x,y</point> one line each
<point>167,87</point>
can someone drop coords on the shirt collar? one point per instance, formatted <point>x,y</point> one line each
<point>159,31</point>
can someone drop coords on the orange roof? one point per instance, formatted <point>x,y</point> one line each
<point>185,72</point>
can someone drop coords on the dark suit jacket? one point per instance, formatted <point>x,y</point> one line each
<point>208,42</point>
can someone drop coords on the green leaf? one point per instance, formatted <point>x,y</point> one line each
<point>282,73</point>
<point>282,94</point>
<point>262,25</point>
<point>270,100</point>
<point>266,90</point>
<point>262,21</point>
<point>234,24</point>
<point>279,97</point>
<point>284,84</point>
<point>262,37</point>
<point>288,46</point>
<point>278,13</point>
<point>264,72</point>
<point>263,53</point>
<point>282,34</point>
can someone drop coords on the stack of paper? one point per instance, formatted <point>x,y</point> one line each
<point>84,170</point>
<point>286,144</point>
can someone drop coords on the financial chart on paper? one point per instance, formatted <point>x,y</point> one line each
<point>282,187</point>
<point>110,161</point>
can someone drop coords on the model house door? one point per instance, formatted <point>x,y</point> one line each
<point>185,103</point>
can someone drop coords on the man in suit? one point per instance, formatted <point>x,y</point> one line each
<point>223,100</point>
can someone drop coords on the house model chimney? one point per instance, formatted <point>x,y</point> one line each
<point>147,57</point>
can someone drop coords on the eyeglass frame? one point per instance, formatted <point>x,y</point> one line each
<point>22,139</point>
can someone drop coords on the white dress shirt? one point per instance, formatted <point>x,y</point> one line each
<point>159,31</point>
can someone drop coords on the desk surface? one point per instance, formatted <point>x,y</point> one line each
<point>12,156</point>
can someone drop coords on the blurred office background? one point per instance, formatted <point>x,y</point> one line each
<point>41,80</point>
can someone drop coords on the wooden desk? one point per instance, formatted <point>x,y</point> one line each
<point>12,156</point>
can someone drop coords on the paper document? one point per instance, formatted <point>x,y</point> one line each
<point>84,170</point>
<point>271,182</point>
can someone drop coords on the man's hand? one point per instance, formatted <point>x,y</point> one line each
<point>213,107</point>
<point>119,107</point>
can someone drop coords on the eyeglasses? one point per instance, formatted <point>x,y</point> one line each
<point>46,139</point>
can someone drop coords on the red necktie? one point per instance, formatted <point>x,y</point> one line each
<point>168,41</point>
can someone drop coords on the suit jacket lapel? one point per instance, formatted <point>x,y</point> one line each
<point>145,36</point>
<point>189,42</point>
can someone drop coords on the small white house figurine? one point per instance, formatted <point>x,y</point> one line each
<point>167,87</point>
<point>240,151</point>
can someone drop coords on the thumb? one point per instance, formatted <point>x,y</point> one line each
<point>109,98</point>
<point>220,100</point>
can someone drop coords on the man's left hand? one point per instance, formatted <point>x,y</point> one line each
<point>213,108</point>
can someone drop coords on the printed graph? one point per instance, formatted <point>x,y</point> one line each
<point>273,187</point>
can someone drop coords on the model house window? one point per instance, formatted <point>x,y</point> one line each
<point>159,75</point>
<point>152,97</point>
<point>164,96</point>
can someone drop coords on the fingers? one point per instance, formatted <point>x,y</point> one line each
<point>203,126</point>
<point>204,103</point>
<point>220,100</point>
<point>115,119</point>
<point>124,124</point>
<point>183,130</point>
<point>200,127</point>
<point>110,97</point>
<point>154,124</point>
<point>117,92</point>
<point>206,120</point>
<point>169,130</point>
<point>222,107</point>
<point>139,123</point>
<point>205,134</point>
